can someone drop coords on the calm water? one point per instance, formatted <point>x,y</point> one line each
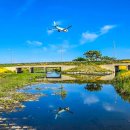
<point>53,75</point>
<point>92,107</point>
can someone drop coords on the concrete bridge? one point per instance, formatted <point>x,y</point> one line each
<point>112,67</point>
<point>115,67</point>
<point>19,69</point>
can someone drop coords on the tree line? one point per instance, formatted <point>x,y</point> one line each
<point>94,55</point>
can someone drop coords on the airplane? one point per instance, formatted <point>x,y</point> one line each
<point>60,29</point>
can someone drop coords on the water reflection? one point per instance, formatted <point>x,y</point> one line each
<point>9,124</point>
<point>93,106</point>
<point>61,110</point>
<point>123,90</point>
<point>62,92</point>
<point>93,87</point>
<point>53,74</point>
<point>125,96</point>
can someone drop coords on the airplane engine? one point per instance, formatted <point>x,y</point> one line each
<point>65,30</point>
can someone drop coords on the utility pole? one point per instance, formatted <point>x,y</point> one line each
<point>114,46</point>
<point>61,53</point>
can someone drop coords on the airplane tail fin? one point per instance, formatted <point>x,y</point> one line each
<point>55,24</point>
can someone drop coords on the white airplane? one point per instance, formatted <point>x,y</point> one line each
<point>60,29</point>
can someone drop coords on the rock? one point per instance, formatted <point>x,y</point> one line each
<point>25,127</point>
<point>1,107</point>
<point>12,124</point>
<point>15,127</point>
<point>22,106</point>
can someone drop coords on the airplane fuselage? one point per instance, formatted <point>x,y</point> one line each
<point>60,29</point>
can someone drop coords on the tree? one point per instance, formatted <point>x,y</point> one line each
<point>80,59</point>
<point>107,58</point>
<point>93,55</point>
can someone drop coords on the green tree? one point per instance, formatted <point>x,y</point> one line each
<point>107,58</point>
<point>80,59</point>
<point>93,55</point>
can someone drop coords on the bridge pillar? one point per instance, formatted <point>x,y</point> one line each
<point>31,70</point>
<point>128,67</point>
<point>19,70</point>
<point>117,69</point>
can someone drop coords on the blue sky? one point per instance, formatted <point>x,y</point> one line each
<point>24,35</point>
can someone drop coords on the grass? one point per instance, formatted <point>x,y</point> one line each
<point>4,70</point>
<point>89,69</point>
<point>66,63</point>
<point>122,84</point>
<point>10,82</point>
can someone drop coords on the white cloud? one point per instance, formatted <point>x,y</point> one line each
<point>34,43</point>
<point>60,48</point>
<point>49,32</point>
<point>90,37</point>
<point>106,28</point>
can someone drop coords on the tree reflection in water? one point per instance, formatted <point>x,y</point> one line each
<point>123,93</point>
<point>62,92</point>
<point>93,87</point>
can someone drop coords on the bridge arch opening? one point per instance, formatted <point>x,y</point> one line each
<point>128,67</point>
<point>53,72</point>
<point>118,68</point>
<point>19,70</point>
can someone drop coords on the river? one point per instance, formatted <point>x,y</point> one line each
<point>71,106</point>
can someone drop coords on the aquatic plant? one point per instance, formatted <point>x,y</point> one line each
<point>10,82</point>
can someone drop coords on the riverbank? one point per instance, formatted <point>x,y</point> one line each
<point>10,82</point>
<point>88,70</point>
<point>67,63</point>
<point>122,84</point>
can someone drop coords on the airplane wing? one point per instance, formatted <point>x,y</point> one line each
<point>69,27</point>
